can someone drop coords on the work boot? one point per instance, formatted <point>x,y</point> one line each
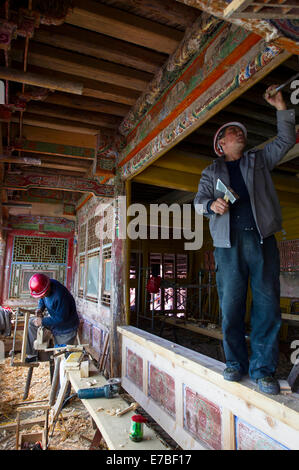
<point>232,374</point>
<point>268,385</point>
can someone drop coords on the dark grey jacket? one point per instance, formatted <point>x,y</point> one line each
<point>255,166</point>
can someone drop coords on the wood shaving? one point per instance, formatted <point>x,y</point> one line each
<point>76,419</point>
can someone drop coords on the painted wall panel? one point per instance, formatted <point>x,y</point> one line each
<point>202,418</point>
<point>135,368</point>
<point>162,389</point>
<point>250,438</point>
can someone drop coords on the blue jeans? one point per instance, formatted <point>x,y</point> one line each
<point>249,260</point>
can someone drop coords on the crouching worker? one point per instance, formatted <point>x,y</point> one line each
<point>62,321</point>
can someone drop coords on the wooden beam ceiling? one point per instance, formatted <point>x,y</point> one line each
<point>87,104</point>
<point>58,124</point>
<point>111,50</point>
<point>100,46</point>
<point>167,12</point>
<point>87,117</point>
<point>91,88</point>
<point>125,26</point>
<point>87,67</point>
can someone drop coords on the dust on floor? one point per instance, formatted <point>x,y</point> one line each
<point>73,430</point>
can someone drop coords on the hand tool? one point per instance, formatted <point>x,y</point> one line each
<point>229,193</point>
<point>280,87</point>
<point>40,344</point>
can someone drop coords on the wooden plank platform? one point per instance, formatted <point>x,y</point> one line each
<point>188,325</point>
<point>179,387</point>
<point>114,429</point>
<point>211,332</point>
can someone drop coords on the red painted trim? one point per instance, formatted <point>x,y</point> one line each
<point>242,49</point>
<point>84,202</point>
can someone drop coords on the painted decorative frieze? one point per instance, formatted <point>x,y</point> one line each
<point>197,37</point>
<point>289,28</point>
<point>67,183</point>
<point>41,223</point>
<point>55,149</point>
<point>252,62</point>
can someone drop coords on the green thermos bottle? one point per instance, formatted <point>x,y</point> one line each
<point>136,431</point>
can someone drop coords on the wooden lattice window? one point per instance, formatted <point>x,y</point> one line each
<point>93,240</point>
<point>106,282</point>
<point>82,238</point>
<point>39,250</point>
<point>81,276</point>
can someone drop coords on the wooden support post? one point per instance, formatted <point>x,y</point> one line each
<point>118,277</point>
<point>18,430</point>
<point>229,439</point>
<point>25,332</point>
<point>128,256</point>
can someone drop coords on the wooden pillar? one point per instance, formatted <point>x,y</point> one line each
<point>118,286</point>
<point>2,232</point>
<point>128,256</point>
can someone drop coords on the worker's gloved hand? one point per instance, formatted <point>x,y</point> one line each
<point>220,206</point>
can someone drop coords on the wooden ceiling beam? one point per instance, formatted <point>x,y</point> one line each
<point>57,138</point>
<point>37,159</point>
<point>168,11</point>
<point>58,124</point>
<point>52,83</point>
<point>168,178</point>
<point>91,88</point>
<point>125,26</point>
<point>87,104</point>
<point>21,161</point>
<point>84,117</point>
<point>258,26</point>
<point>183,161</point>
<point>86,67</point>
<point>100,46</point>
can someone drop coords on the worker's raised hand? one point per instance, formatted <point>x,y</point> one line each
<point>220,206</point>
<point>275,98</point>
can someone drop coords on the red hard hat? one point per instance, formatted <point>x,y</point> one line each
<point>38,285</point>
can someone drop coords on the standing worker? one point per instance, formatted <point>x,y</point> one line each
<point>245,245</point>
<point>62,321</point>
